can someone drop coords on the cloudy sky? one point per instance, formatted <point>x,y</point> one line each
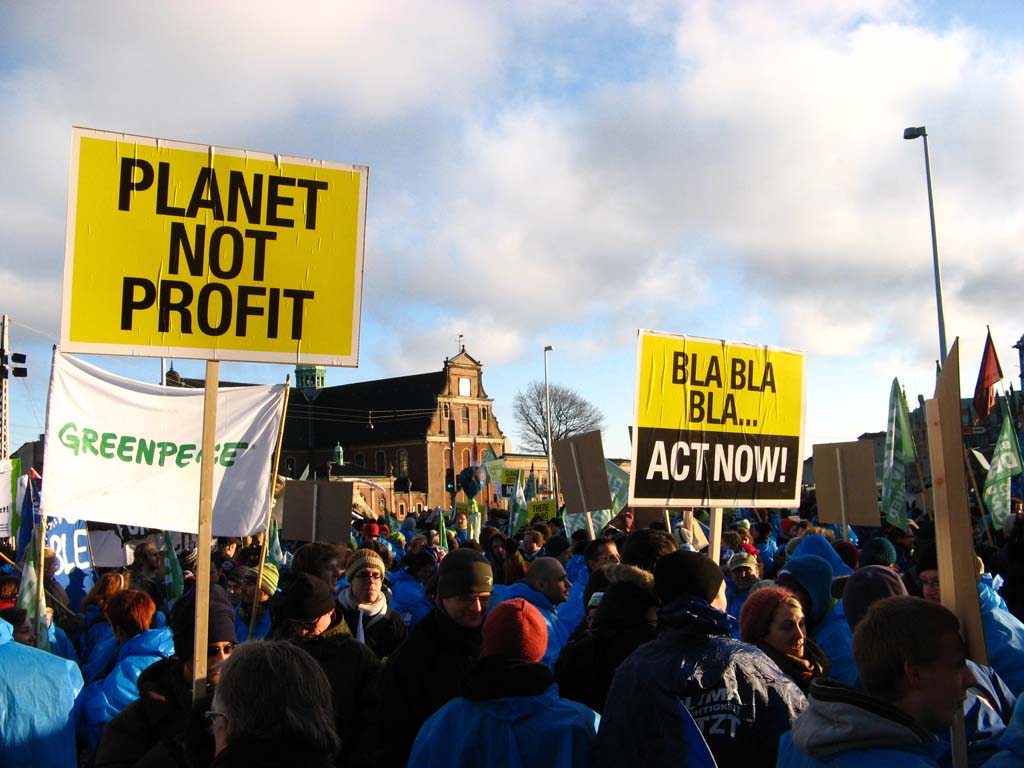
<point>566,173</point>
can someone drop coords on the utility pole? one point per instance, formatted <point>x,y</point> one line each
<point>7,370</point>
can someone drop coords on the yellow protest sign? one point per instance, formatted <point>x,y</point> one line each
<point>193,251</point>
<point>716,423</point>
<point>546,509</point>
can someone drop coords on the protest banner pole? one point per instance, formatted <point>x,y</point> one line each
<point>270,503</point>
<point>924,495</point>
<point>715,546</point>
<point>204,564</point>
<point>978,496</point>
<point>953,539</point>
<point>843,531</point>
<point>668,521</point>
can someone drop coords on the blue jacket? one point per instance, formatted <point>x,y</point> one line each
<point>572,611</point>
<point>842,728</point>
<point>834,636</point>
<point>740,701</point>
<point>60,645</point>
<point>735,600</point>
<point>1004,639</point>
<point>37,700</point>
<point>817,544</point>
<point>526,731</point>
<point>985,717</point>
<point>558,633</point>
<point>409,597</point>
<point>101,700</point>
<point>1012,742</point>
<point>242,625</point>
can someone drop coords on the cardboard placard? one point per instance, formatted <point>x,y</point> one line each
<point>317,510</point>
<point>580,464</point>
<point>844,476</point>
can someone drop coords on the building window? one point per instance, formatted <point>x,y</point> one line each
<point>401,509</point>
<point>380,462</point>
<point>403,462</point>
<point>465,386</point>
<point>383,506</point>
<point>419,508</point>
<point>446,412</point>
<point>483,413</point>
<point>360,459</point>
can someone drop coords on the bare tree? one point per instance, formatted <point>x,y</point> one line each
<point>571,415</point>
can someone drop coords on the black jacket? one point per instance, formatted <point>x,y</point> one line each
<point>420,677</point>
<point>160,728</point>
<point>740,700</point>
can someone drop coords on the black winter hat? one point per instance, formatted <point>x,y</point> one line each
<point>464,572</point>
<point>306,599</point>
<point>686,573</point>
<point>183,625</point>
<point>866,586</point>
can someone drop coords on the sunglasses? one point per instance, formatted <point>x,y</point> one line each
<point>215,650</point>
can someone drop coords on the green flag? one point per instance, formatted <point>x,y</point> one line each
<point>618,485</point>
<point>531,486</point>
<point>174,580</point>
<point>899,451</point>
<point>1006,462</point>
<point>30,597</point>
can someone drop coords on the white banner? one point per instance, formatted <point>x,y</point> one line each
<point>122,451</point>
<point>6,497</point>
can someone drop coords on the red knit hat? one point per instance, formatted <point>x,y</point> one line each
<point>756,616</point>
<point>515,630</point>
<point>371,529</point>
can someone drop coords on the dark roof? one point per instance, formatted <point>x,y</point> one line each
<point>401,410</point>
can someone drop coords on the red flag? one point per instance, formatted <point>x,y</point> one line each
<point>990,373</point>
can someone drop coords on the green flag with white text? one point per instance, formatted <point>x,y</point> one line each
<point>900,450</point>
<point>1006,462</point>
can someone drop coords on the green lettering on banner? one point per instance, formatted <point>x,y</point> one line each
<point>139,450</point>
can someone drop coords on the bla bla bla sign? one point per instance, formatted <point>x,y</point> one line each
<point>717,423</point>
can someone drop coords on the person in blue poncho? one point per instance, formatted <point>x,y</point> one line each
<point>509,712</point>
<point>545,587</point>
<point>408,587</point>
<point>598,553</point>
<point>37,699</point>
<point>1011,745</point>
<point>742,572</point>
<point>130,613</point>
<point>809,577</point>
<point>244,610</point>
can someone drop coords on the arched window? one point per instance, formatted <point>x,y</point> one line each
<point>403,462</point>
<point>401,509</point>
<point>465,458</point>
<point>360,459</point>
<point>483,413</point>
<point>447,412</point>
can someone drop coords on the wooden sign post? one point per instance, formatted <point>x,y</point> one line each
<point>958,580</point>
<point>204,564</point>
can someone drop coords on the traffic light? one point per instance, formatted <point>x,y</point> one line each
<point>12,365</point>
<point>449,481</point>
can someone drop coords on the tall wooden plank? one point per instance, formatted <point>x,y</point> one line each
<point>205,531</point>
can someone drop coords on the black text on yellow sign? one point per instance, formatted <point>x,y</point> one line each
<point>716,423</point>
<point>202,252</point>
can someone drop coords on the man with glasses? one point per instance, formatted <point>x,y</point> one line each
<point>365,607</point>
<point>151,729</point>
<point>424,672</point>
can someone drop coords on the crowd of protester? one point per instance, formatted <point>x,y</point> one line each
<point>416,644</point>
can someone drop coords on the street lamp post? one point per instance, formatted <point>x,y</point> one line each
<point>910,134</point>
<point>547,421</point>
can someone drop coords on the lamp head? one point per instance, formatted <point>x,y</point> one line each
<point>914,133</point>
<point>549,348</point>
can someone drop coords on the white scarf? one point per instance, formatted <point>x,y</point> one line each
<point>369,613</point>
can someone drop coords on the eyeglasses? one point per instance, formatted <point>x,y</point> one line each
<point>211,715</point>
<point>304,626</point>
<point>216,650</point>
<point>369,576</point>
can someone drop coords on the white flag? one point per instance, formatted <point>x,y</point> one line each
<point>122,451</point>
